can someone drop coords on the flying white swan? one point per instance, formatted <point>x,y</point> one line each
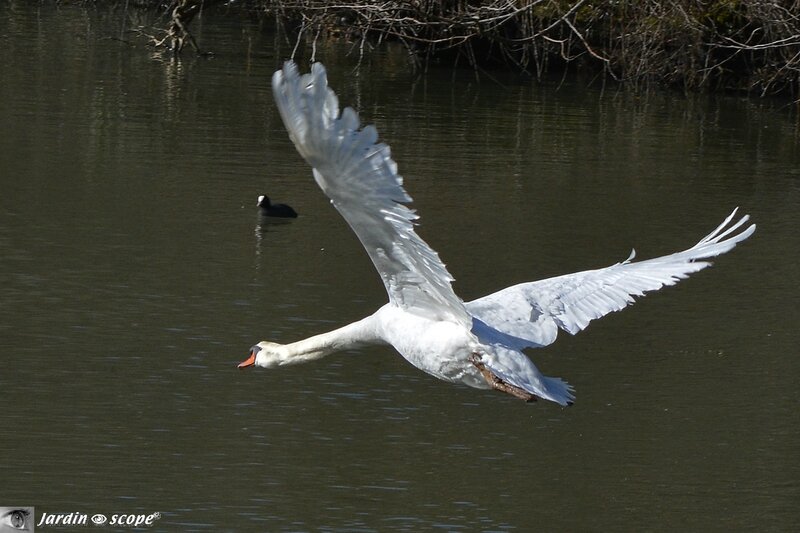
<point>477,343</point>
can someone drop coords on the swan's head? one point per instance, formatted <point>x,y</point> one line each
<point>263,354</point>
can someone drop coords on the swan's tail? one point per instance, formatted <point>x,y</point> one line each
<point>559,390</point>
<point>514,368</point>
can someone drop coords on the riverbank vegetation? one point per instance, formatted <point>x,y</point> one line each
<point>749,45</point>
<point>741,45</point>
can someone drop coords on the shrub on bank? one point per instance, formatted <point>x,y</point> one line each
<point>742,45</point>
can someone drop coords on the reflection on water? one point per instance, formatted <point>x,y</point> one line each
<point>262,243</point>
<point>135,273</point>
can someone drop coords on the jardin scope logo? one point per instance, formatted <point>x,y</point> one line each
<point>23,519</point>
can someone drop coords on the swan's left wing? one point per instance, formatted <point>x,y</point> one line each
<point>530,314</point>
<point>359,176</point>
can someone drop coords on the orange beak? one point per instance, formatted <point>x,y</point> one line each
<point>250,361</point>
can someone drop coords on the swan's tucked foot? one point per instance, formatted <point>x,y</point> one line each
<point>499,384</point>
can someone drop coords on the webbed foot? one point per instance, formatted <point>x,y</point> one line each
<point>498,383</point>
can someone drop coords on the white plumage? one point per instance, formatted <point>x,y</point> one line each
<point>478,343</point>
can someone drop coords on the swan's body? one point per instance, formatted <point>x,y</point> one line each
<point>477,343</point>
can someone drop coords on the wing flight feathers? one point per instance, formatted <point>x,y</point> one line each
<point>533,312</point>
<point>359,176</point>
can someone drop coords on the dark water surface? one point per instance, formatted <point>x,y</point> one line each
<point>134,275</point>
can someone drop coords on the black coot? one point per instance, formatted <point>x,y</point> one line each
<point>268,209</point>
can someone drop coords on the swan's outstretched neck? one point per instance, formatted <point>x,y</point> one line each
<point>316,347</point>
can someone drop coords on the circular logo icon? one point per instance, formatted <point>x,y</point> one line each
<point>99,519</point>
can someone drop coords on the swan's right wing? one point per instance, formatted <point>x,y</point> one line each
<point>359,176</point>
<point>532,313</point>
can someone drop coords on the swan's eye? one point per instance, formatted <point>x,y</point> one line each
<point>16,519</point>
